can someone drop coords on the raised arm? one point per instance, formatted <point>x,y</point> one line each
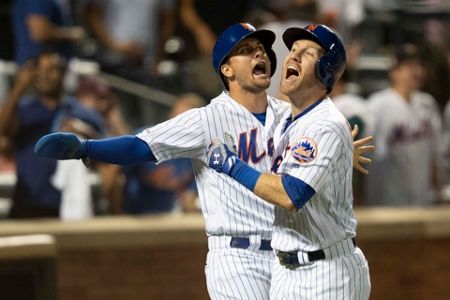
<point>8,118</point>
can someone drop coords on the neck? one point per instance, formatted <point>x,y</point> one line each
<point>403,91</point>
<point>303,100</point>
<point>50,101</point>
<point>253,102</point>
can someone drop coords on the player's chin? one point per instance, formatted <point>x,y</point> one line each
<point>262,81</point>
<point>288,88</point>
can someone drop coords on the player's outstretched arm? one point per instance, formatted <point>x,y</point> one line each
<point>360,148</point>
<point>285,191</point>
<point>121,150</point>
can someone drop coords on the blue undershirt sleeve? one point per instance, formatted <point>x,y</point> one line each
<point>245,175</point>
<point>122,150</point>
<point>298,191</point>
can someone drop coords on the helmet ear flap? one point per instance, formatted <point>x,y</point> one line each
<point>324,70</point>
<point>273,60</point>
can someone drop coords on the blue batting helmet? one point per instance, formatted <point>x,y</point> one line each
<point>329,65</point>
<point>233,35</point>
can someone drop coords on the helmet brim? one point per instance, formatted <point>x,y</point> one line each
<point>294,34</point>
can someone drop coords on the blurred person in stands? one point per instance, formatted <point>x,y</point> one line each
<point>205,20</point>
<point>168,186</point>
<point>344,15</point>
<point>95,94</point>
<point>43,25</point>
<point>407,134</point>
<point>356,110</point>
<point>435,49</point>
<point>26,118</point>
<point>132,34</point>
<point>131,37</point>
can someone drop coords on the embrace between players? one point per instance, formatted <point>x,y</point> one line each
<point>277,204</point>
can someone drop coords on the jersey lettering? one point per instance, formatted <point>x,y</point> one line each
<point>276,162</point>
<point>247,149</point>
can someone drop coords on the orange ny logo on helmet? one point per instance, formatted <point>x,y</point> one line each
<point>248,26</point>
<point>311,27</point>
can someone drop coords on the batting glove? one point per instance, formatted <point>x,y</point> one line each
<point>60,146</point>
<point>221,158</point>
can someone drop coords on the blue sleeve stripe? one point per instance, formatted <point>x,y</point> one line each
<point>122,150</point>
<point>298,191</point>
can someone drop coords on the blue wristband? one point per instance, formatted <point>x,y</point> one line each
<point>244,174</point>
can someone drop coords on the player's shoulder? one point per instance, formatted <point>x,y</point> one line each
<point>280,107</point>
<point>384,95</point>
<point>426,101</point>
<point>425,97</point>
<point>327,110</point>
<point>223,102</point>
<point>328,118</point>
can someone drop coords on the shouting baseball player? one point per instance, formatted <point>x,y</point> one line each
<point>314,229</point>
<point>238,223</point>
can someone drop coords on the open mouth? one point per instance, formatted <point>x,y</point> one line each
<point>260,68</point>
<point>291,72</point>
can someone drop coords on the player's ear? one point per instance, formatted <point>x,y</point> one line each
<point>226,70</point>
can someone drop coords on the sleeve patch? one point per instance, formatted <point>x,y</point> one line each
<point>304,150</point>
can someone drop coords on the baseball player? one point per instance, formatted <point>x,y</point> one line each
<point>314,229</point>
<point>238,223</point>
<point>408,138</point>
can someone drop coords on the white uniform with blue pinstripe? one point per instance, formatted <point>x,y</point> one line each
<point>229,209</point>
<point>317,148</point>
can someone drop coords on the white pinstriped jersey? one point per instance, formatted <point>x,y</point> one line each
<point>316,148</point>
<point>227,206</point>
<point>407,139</point>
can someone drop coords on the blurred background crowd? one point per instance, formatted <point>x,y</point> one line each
<point>110,67</point>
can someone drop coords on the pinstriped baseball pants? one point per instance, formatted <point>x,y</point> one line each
<point>238,274</point>
<point>345,277</point>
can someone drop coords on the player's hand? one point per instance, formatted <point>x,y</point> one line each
<point>222,156</point>
<point>360,148</point>
<point>60,146</point>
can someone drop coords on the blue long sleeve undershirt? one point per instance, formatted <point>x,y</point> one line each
<point>122,150</point>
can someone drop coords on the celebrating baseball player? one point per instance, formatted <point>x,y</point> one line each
<point>314,229</point>
<point>238,223</point>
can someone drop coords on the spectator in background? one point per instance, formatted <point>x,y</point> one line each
<point>26,118</point>
<point>96,95</point>
<point>435,52</point>
<point>356,110</point>
<point>205,20</point>
<point>43,25</point>
<point>407,134</point>
<point>165,187</point>
<point>344,15</point>
<point>131,36</point>
<point>353,106</point>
